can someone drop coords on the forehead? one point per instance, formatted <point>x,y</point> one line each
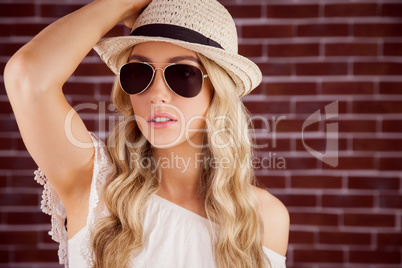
<point>162,52</point>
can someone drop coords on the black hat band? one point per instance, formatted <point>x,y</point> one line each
<point>174,32</point>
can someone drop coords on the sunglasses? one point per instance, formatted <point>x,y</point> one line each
<point>183,79</point>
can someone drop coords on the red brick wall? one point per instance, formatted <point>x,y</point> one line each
<point>312,53</point>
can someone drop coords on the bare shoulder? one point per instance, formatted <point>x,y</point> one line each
<point>276,221</point>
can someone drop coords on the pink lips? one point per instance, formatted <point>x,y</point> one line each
<point>161,120</point>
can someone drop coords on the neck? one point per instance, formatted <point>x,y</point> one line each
<point>180,169</point>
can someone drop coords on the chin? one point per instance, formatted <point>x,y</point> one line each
<point>165,142</point>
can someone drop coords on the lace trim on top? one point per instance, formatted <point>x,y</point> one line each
<point>102,170</point>
<point>52,205</point>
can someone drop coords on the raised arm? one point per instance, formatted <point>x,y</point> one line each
<point>34,77</point>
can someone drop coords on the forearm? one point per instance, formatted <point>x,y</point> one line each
<point>50,58</point>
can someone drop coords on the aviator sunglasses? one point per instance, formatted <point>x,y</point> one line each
<point>183,79</point>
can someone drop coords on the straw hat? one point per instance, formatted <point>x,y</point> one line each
<point>203,26</point>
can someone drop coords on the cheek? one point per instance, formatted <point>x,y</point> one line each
<point>134,101</point>
<point>205,101</point>
<point>137,104</point>
<point>195,113</point>
<point>139,112</point>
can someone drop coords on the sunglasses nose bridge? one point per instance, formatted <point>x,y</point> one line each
<point>154,78</point>
<point>161,69</point>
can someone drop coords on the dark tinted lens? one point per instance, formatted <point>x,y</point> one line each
<point>135,77</point>
<point>185,80</point>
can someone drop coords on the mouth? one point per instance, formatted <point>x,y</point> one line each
<point>161,120</point>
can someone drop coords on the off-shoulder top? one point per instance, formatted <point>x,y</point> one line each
<point>173,236</point>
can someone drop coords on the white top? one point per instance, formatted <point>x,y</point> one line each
<point>173,236</point>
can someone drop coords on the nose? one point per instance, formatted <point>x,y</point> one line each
<point>159,90</point>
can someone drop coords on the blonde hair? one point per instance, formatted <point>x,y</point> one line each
<point>230,202</point>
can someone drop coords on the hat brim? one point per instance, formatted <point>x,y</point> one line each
<point>245,73</point>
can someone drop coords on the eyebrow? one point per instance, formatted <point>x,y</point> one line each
<point>135,57</point>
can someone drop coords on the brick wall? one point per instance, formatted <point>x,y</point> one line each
<point>313,54</point>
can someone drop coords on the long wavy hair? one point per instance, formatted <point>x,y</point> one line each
<point>229,199</point>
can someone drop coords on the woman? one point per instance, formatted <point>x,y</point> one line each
<point>173,188</point>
